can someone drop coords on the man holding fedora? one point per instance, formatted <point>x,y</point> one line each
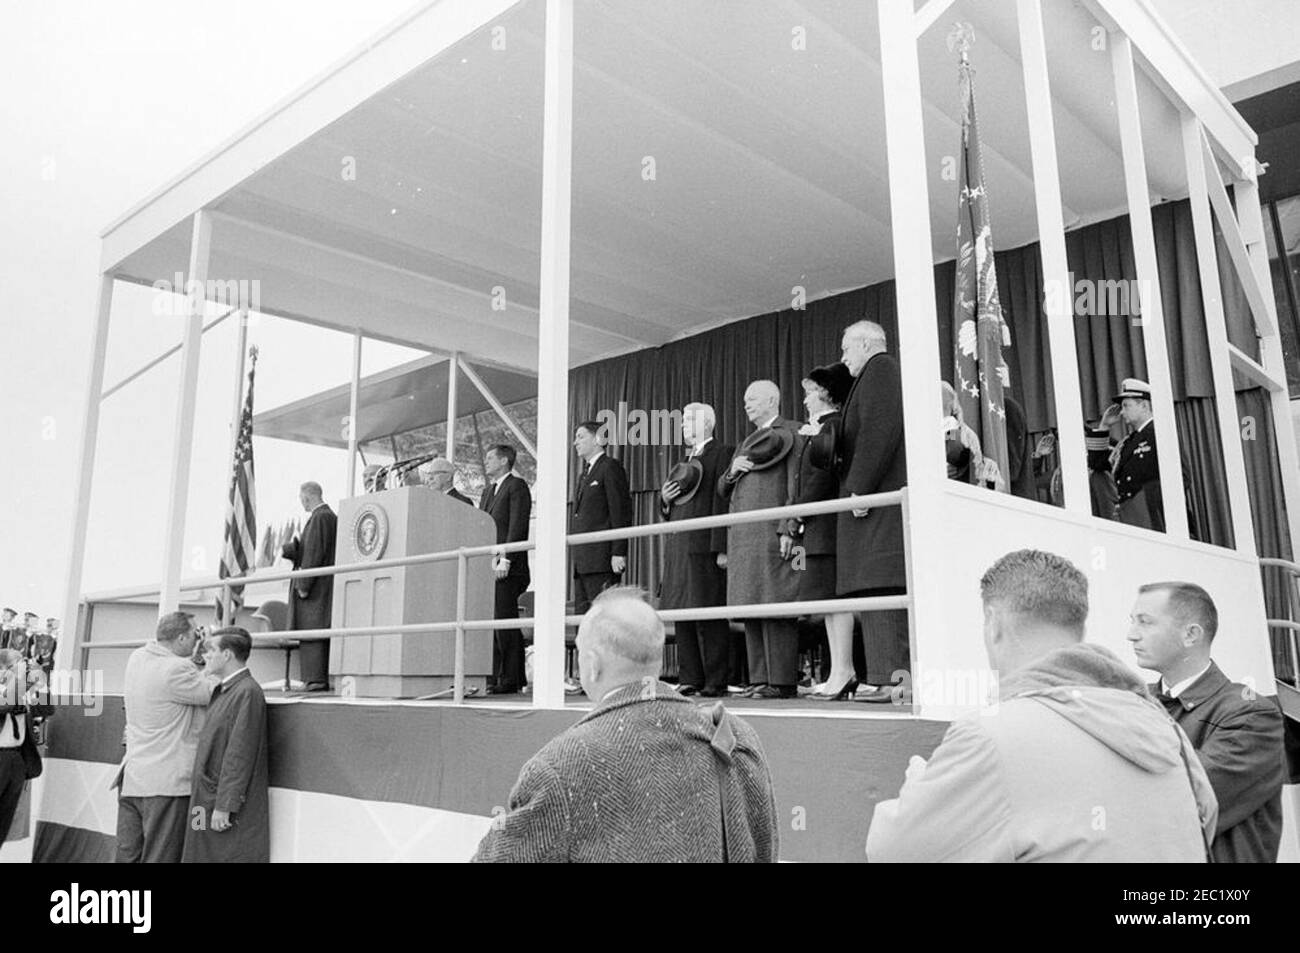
<point>693,574</point>
<point>761,475</point>
<point>1133,462</point>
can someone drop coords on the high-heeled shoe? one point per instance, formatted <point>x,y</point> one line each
<point>822,694</point>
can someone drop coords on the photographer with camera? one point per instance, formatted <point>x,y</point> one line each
<point>21,710</point>
<point>166,695</point>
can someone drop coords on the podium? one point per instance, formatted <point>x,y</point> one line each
<point>404,522</point>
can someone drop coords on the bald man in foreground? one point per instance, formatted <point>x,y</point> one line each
<point>646,776</point>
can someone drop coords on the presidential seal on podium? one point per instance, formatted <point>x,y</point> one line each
<point>370,531</point>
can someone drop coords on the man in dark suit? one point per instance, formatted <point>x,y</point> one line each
<point>869,542</point>
<point>693,576</point>
<point>646,776</point>
<point>507,500</point>
<point>1237,734</point>
<point>230,808</point>
<point>20,759</point>
<point>440,474</point>
<point>311,600</point>
<point>601,500</point>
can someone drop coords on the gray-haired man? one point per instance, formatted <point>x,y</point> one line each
<point>646,776</point>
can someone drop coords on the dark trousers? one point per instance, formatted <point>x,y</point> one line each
<point>773,647</point>
<point>151,830</point>
<point>13,775</point>
<point>702,653</point>
<point>314,662</point>
<point>588,585</point>
<point>508,644</point>
<point>885,640</point>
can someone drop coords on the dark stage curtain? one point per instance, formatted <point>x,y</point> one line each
<point>716,366</point>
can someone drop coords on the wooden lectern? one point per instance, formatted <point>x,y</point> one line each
<point>404,522</point>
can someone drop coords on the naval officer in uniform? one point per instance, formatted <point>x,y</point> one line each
<point>1133,461</point>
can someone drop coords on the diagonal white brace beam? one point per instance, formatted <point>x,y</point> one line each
<point>1216,330</point>
<point>496,405</point>
<point>1243,362</point>
<point>1148,273</point>
<point>1232,237</point>
<point>1270,349</point>
<point>928,14</point>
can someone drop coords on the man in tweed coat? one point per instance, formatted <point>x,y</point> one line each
<point>646,776</point>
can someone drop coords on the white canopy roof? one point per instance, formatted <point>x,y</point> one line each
<point>769,167</point>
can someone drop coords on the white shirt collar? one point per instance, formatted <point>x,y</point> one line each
<point>1149,422</point>
<point>502,479</point>
<point>769,422</point>
<point>318,506</point>
<point>226,680</point>
<point>699,447</point>
<point>594,457</point>
<point>818,417</point>
<point>1182,686</point>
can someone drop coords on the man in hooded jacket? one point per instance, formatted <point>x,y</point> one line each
<point>1075,763</point>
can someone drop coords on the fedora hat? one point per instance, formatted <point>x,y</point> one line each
<point>837,380</point>
<point>1133,387</point>
<point>766,447</point>
<point>687,474</point>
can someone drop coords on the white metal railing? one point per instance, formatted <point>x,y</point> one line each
<point>1289,626</point>
<point>460,625</point>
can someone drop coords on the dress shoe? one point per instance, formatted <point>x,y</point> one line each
<point>316,687</point>
<point>825,692</point>
<point>713,693</point>
<point>776,691</point>
<point>688,690</point>
<point>751,691</point>
<point>503,690</point>
<point>881,696</point>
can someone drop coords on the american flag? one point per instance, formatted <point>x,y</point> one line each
<point>239,552</point>
<point>981,371</point>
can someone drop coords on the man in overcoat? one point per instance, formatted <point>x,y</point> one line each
<point>869,542</point>
<point>646,776</point>
<point>762,475</point>
<point>229,803</point>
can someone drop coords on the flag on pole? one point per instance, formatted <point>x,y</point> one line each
<point>981,333</point>
<point>239,552</point>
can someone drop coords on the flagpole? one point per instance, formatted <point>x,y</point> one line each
<point>241,349</point>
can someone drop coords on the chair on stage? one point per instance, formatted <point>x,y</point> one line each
<point>273,616</point>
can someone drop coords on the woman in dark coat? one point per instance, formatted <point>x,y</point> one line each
<point>812,539</point>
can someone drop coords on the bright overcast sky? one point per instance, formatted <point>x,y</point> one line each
<point>103,103</point>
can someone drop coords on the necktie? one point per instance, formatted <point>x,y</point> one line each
<point>582,481</point>
<point>491,495</point>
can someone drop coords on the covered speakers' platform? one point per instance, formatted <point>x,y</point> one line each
<point>407,521</point>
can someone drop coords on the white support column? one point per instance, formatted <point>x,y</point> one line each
<point>1216,329</point>
<point>1153,315</point>
<point>453,377</point>
<point>1270,346</point>
<point>183,437</point>
<point>550,558</point>
<point>354,408</point>
<point>1057,286</point>
<point>65,653</point>
<point>918,327</point>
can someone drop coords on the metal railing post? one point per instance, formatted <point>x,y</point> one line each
<point>462,581</point>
